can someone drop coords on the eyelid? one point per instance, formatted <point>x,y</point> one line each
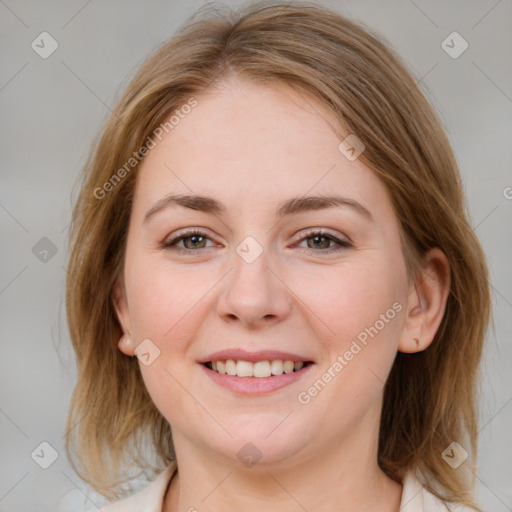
<point>172,240</point>
<point>342,242</point>
<point>325,232</point>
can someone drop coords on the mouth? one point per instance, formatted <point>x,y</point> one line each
<point>258,369</point>
<point>255,378</point>
<point>255,373</point>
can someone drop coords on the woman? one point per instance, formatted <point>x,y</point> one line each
<point>273,279</point>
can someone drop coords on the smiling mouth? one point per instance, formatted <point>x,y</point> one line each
<point>259,369</point>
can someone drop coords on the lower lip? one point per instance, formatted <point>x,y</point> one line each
<point>255,385</point>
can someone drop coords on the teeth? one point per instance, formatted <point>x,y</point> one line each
<point>276,367</point>
<point>230,367</point>
<point>288,366</point>
<point>259,369</point>
<point>244,369</point>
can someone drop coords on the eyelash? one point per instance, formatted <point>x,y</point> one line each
<point>343,244</point>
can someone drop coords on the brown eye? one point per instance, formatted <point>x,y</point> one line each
<point>192,240</point>
<point>195,241</point>
<point>320,242</point>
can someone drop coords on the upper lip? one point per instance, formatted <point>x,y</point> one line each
<point>253,357</point>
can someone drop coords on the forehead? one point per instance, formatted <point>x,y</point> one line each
<point>251,143</point>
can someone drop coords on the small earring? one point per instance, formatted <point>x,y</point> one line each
<point>417,342</point>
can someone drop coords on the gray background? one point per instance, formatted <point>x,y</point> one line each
<point>52,108</point>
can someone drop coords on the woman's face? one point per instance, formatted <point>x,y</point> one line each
<point>261,278</point>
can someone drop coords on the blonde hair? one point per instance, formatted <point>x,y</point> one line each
<point>430,396</point>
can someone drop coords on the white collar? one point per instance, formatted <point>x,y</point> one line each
<point>415,498</point>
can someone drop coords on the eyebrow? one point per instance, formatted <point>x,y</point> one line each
<point>292,206</point>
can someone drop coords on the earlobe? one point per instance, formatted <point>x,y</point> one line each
<point>426,303</point>
<point>125,343</point>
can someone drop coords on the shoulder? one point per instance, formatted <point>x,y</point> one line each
<point>416,498</point>
<point>149,499</point>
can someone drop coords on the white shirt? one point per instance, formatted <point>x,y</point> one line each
<point>415,498</point>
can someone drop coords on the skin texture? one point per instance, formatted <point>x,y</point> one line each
<point>252,147</point>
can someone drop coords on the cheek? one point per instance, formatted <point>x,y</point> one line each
<point>168,305</point>
<point>361,308</point>
<point>166,299</point>
<point>362,312</point>
<point>349,298</point>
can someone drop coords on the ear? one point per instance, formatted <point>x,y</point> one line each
<point>126,343</point>
<point>426,303</point>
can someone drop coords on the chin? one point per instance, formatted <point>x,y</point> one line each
<point>256,447</point>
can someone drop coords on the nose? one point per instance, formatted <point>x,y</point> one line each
<point>254,294</point>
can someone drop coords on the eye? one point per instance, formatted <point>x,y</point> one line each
<point>321,241</point>
<point>196,239</point>
<point>193,239</point>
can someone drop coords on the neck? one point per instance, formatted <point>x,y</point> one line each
<point>344,477</point>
